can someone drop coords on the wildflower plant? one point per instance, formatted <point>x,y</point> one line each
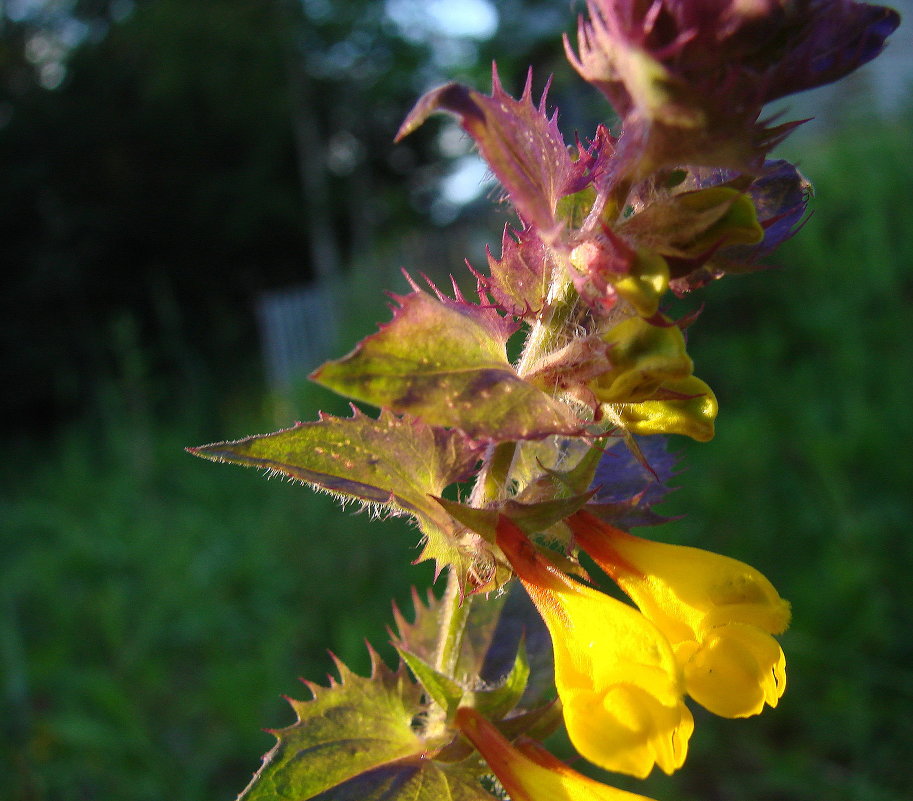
<point>565,447</point>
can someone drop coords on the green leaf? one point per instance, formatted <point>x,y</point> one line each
<point>444,690</point>
<point>492,700</point>
<point>578,478</point>
<point>479,566</point>
<point>449,368</point>
<point>497,701</point>
<point>494,629</point>
<point>361,738</point>
<point>417,779</point>
<point>349,728</point>
<point>535,463</point>
<point>393,460</point>
<point>421,635</point>
<point>573,209</point>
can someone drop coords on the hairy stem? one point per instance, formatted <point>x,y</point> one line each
<point>454,612</point>
<point>546,334</point>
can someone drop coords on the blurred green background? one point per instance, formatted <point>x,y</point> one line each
<point>168,163</point>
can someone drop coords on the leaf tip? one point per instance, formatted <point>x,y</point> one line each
<point>451,97</point>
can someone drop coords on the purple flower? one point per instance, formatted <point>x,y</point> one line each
<point>690,77</point>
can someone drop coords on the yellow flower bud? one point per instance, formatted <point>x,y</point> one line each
<point>693,414</point>
<point>643,357</point>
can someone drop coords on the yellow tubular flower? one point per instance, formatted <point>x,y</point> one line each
<point>615,672</point>
<point>718,613</point>
<point>530,773</point>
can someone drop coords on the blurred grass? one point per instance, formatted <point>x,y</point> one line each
<point>154,607</point>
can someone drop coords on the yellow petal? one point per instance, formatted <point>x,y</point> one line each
<point>615,672</point>
<point>676,586</point>
<point>627,729</point>
<point>529,772</point>
<point>645,284</point>
<point>736,670</point>
<point>717,612</point>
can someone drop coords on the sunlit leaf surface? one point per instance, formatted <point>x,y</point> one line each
<point>448,368</point>
<point>361,738</point>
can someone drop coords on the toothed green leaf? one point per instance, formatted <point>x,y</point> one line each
<point>448,366</point>
<point>497,701</point>
<point>353,726</point>
<point>445,691</point>
<point>361,738</point>
<point>395,461</point>
<point>417,779</point>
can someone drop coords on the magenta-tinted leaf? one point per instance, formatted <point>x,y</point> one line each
<point>595,160</point>
<point>519,279</point>
<point>446,367</point>
<point>724,55</point>
<point>485,314</point>
<point>520,142</point>
<point>690,79</point>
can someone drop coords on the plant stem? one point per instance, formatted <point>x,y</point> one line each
<point>493,480</point>
<point>454,613</point>
<point>548,332</point>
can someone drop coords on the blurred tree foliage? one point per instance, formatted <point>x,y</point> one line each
<point>165,161</point>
